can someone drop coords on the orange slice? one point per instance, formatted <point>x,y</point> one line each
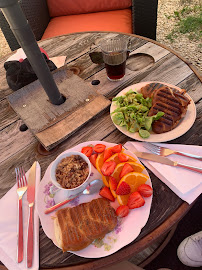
<point>134,179</point>
<point>98,163</point>
<point>105,180</point>
<point>116,158</point>
<point>112,191</point>
<point>136,166</point>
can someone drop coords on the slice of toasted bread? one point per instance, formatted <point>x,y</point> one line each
<point>77,227</point>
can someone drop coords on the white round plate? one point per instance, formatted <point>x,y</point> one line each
<point>125,231</point>
<point>184,125</point>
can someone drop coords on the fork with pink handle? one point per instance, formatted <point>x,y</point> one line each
<point>21,189</point>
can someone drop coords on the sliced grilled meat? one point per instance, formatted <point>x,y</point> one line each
<point>149,89</point>
<point>78,227</point>
<point>172,103</point>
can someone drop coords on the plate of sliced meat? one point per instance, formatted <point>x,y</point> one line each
<point>171,112</point>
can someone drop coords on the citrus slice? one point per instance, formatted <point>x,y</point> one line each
<point>116,158</point>
<point>134,180</point>
<point>99,161</point>
<point>136,166</point>
<point>112,191</point>
<point>131,159</point>
<point>105,180</point>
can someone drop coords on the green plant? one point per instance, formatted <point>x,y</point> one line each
<point>188,22</point>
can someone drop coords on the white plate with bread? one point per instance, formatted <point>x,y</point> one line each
<point>124,232</point>
<point>180,127</point>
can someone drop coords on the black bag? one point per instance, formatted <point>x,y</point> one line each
<point>19,74</point>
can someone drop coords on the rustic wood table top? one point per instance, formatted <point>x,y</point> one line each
<point>22,148</point>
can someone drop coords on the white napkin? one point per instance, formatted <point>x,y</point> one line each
<point>185,183</point>
<point>8,228</point>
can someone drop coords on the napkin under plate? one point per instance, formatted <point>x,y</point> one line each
<point>8,228</point>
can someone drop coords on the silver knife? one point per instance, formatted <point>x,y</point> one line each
<point>164,160</point>
<point>30,198</point>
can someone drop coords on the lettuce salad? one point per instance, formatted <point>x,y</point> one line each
<point>132,113</point>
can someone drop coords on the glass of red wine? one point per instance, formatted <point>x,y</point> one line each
<point>114,52</point>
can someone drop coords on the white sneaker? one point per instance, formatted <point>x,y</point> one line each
<point>189,251</point>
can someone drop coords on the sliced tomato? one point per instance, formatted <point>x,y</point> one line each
<point>127,168</point>
<point>99,148</point>
<point>87,150</point>
<point>117,148</point>
<point>108,168</point>
<point>93,158</point>
<point>123,157</point>
<point>107,154</point>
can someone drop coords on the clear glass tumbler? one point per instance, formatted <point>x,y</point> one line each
<point>114,51</point>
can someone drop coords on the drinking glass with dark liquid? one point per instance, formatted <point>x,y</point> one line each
<point>114,51</point>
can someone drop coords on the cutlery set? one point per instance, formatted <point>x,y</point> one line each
<point>159,154</point>
<point>22,186</point>
<point>162,151</point>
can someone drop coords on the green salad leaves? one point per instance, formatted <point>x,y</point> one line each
<point>132,112</point>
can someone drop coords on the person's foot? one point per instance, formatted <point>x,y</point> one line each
<point>189,251</point>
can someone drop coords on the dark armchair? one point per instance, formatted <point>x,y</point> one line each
<point>143,19</point>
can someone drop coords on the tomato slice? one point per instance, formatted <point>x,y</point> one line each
<point>117,148</point>
<point>93,158</point>
<point>123,157</point>
<point>108,168</point>
<point>107,154</point>
<point>87,150</point>
<point>127,168</point>
<point>99,148</point>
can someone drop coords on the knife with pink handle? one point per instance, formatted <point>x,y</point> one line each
<point>31,198</point>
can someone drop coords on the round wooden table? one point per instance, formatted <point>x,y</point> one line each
<point>148,61</point>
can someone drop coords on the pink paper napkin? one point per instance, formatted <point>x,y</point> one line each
<point>185,183</point>
<point>59,61</point>
<point>8,228</point>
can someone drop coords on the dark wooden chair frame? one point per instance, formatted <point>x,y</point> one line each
<point>144,19</point>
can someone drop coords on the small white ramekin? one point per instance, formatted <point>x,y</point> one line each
<point>73,191</point>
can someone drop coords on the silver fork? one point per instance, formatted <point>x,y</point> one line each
<point>162,151</point>
<point>21,189</point>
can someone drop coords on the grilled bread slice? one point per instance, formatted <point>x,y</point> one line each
<point>173,103</point>
<point>77,227</point>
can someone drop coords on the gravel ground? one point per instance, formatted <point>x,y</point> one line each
<point>192,50</point>
<point>189,49</point>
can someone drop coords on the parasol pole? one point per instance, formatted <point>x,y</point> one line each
<point>25,37</point>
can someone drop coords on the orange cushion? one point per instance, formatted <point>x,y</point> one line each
<point>73,7</point>
<point>117,21</point>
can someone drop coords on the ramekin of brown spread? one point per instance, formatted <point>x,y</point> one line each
<point>70,172</point>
